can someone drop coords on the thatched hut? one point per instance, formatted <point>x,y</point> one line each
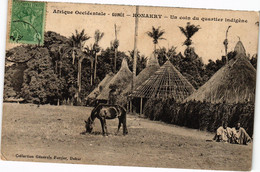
<point>233,83</point>
<point>152,66</point>
<point>167,82</point>
<point>120,81</point>
<point>94,94</point>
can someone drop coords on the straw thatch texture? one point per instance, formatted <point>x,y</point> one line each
<point>240,49</point>
<point>233,83</point>
<point>151,67</point>
<point>167,82</point>
<point>201,115</point>
<point>100,86</point>
<point>120,80</point>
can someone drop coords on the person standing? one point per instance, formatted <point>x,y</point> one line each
<point>112,99</point>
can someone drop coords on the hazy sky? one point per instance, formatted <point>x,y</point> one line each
<point>208,41</point>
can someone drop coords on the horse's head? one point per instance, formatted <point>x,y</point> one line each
<point>89,126</point>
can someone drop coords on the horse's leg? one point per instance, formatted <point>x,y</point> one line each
<point>102,126</point>
<point>105,124</point>
<point>119,125</point>
<point>124,126</point>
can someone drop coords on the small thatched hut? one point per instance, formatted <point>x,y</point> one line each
<point>233,83</point>
<point>167,82</point>
<point>152,66</point>
<point>120,81</point>
<point>94,94</point>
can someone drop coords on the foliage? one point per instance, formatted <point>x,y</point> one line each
<point>41,84</point>
<point>200,115</point>
<point>190,66</point>
<point>189,31</point>
<point>140,64</point>
<point>253,61</point>
<point>44,74</point>
<point>156,34</point>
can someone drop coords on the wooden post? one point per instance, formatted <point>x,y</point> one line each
<point>141,106</point>
<point>115,58</point>
<point>226,44</point>
<point>135,49</point>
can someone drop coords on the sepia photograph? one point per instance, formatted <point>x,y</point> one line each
<point>129,85</point>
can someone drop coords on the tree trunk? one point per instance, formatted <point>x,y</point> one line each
<point>79,80</point>
<point>56,67</point>
<point>95,67</point>
<point>91,72</point>
<point>135,50</point>
<point>60,66</point>
<point>154,50</point>
<point>115,60</point>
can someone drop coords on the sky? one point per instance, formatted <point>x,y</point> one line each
<point>208,41</point>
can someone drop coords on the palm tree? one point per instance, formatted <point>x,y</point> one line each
<point>77,44</point>
<point>98,36</point>
<point>189,31</point>
<point>89,53</point>
<point>115,46</point>
<point>77,50</point>
<point>226,44</point>
<point>156,34</point>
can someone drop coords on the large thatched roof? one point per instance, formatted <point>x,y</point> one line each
<point>152,66</point>
<point>100,86</point>
<point>165,82</point>
<point>120,80</point>
<point>233,83</point>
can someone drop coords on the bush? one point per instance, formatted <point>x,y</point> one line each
<point>200,115</point>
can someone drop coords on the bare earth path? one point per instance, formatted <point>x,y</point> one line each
<point>51,133</point>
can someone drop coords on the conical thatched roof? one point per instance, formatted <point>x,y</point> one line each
<point>120,80</point>
<point>240,49</point>
<point>164,83</point>
<point>233,83</point>
<point>152,61</point>
<point>152,66</point>
<point>100,86</point>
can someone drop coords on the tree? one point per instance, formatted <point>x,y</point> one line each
<point>226,44</point>
<point>77,41</point>
<point>253,61</point>
<point>8,87</point>
<point>156,34</point>
<point>98,36</point>
<point>163,54</point>
<point>188,32</point>
<point>140,62</point>
<point>41,85</point>
<point>57,45</point>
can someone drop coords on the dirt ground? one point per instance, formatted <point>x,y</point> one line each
<point>52,133</point>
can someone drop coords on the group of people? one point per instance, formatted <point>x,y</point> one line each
<point>236,135</point>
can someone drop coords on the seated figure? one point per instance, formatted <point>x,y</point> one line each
<point>239,135</point>
<point>223,134</point>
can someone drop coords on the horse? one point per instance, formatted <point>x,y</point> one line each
<point>106,111</point>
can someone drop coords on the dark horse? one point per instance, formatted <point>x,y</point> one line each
<point>103,112</point>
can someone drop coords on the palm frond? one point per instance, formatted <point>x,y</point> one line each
<point>98,36</point>
<point>191,30</point>
<point>183,31</point>
<point>156,34</point>
<point>150,34</point>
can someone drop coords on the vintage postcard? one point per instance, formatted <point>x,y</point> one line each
<point>129,85</point>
